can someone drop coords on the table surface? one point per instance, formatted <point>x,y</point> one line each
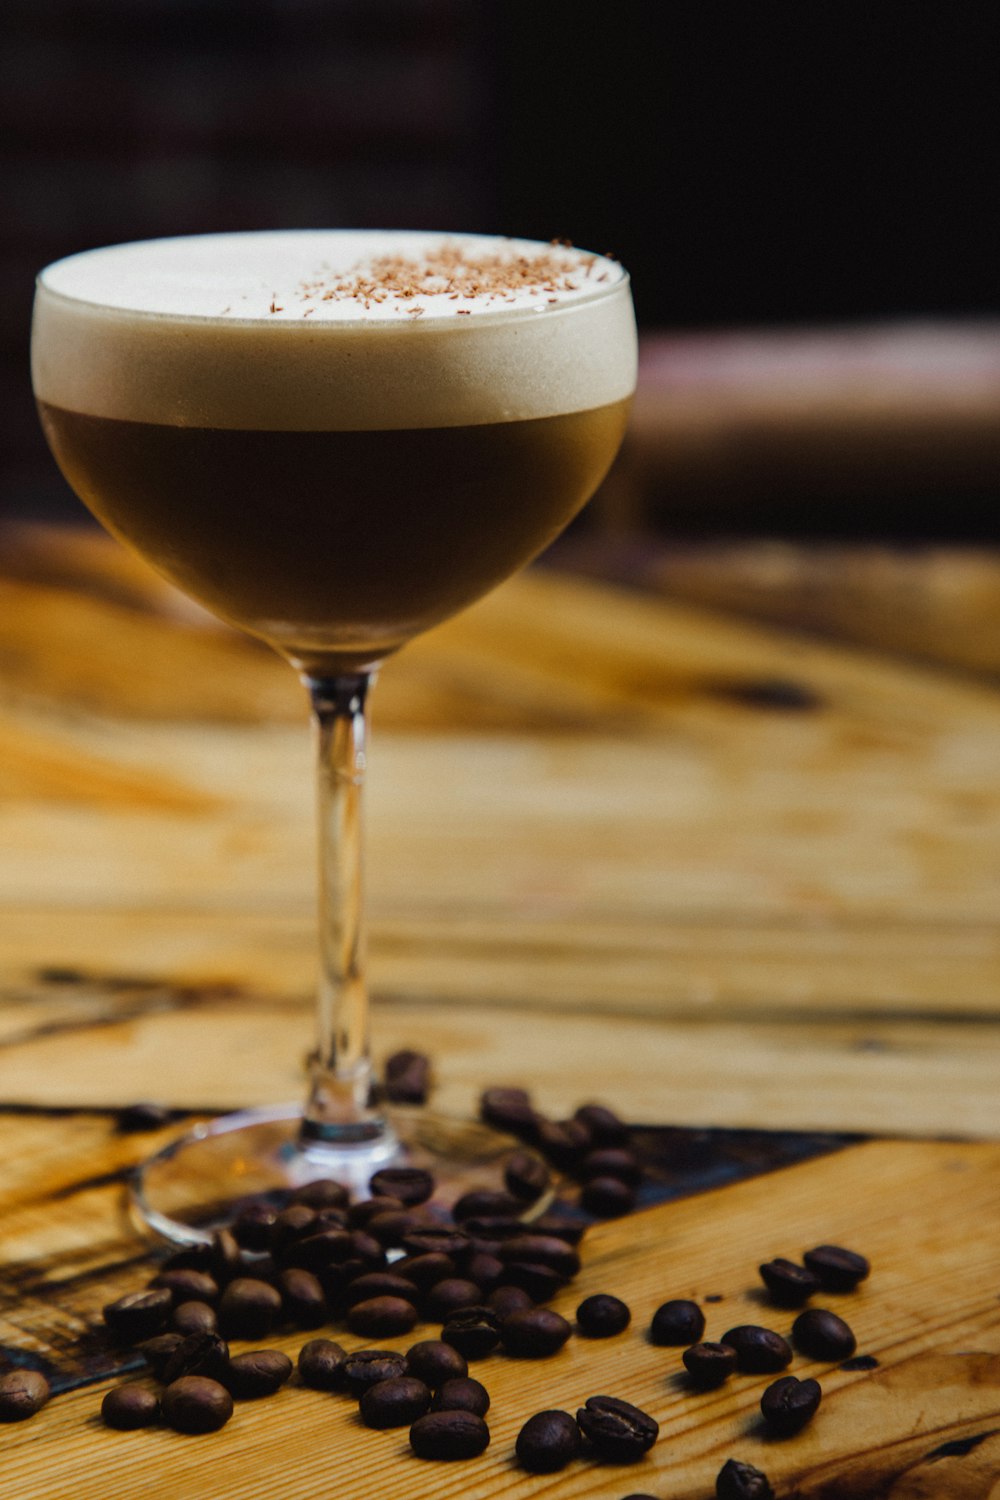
<point>713,872</point>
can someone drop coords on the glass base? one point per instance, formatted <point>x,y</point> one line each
<point>200,1181</point>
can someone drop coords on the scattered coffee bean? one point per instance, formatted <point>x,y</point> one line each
<point>606,1129</point>
<point>199,1354</point>
<point>480,1203</point>
<point>320,1364</point>
<point>130,1406</point>
<point>526,1176</point>
<point>473,1331</point>
<point>188,1285</point>
<point>390,1229</point>
<point>322,1193</point>
<point>425,1271</point>
<point>381,1284</point>
<point>709,1364</point>
<point>248,1308</point>
<point>196,1404</point>
<point>547,1442</point>
<point>259,1373</point>
<point>736,1481</point>
<point>560,1225</point>
<point>302,1297</point>
<point>838,1270</point>
<point>193,1317</point>
<point>138,1315</point>
<point>640,1497</point>
<point>462,1393</point>
<point>22,1394</point>
<point>820,1334</point>
<point>252,1226</point>
<point>602,1316</point>
<point>360,1214</point>
<point>317,1252</point>
<point>381,1317</point>
<point>542,1250</point>
<point>367,1367</point>
<point>135,1119</point>
<point>679,1321</point>
<point>607,1197</point>
<point>789,1284</point>
<point>407,1077</point>
<point>411,1185</point>
<point>366,1248</point>
<point>447,1296</point>
<point>395,1403</point>
<point>429,1239</point>
<point>296,1222</point>
<point>759,1351</point>
<point>433,1361</point>
<point>611,1161</point>
<point>618,1432</point>
<point>486,1270</point>
<point>452,1434</point>
<point>224,1256</point>
<point>788,1404</point>
<point>535,1333</point>
<point>564,1142</point>
<point>509,1109</point>
<point>505,1300</point>
<point>157,1350</point>
<point>540,1282</point>
<point>860,1362</point>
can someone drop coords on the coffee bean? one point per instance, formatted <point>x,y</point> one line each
<point>320,1364</point>
<point>381,1284</point>
<point>540,1282</point>
<point>392,1227</point>
<point>381,1317</point>
<point>224,1256</point>
<point>429,1240</point>
<point>508,1109</point>
<point>296,1222</point>
<point>411,1185</point>
<point>640,1497</point>
<point>547,1442</point>
<point>199,1354</point>
<point>366,1248</point>
<point>252,1226</point>
<point>602,1316</point>
<point>302,1298</point>
<point>860,1362</point>
<point>736,1481</point>
<point>193,1317</point>
<point>509,1299</point>
<point>611,1161</point>
<point>447,1296</point>
<point>617,1431</point>
<point>407,1077</point>
<point>709,1364</point>
<point>607,1197</point>
<point>395,1403</point>
<point>367,1367</point>
<point>450,1434</point>
<point>135,1119</point>
<point>480,1203</point>
<point>322,1193</point>
<point>189,1258</point>
<point>606,1129</point>
<point>563,1142</point>
<point>138,1315</point>
<point>820,1334</point>
<point>433,1361</point>
<point>526,1176</point>
<point>473,1331</point>
<point>425,1270</point>
<point>248,1308</point>
<point>157,1350</point>
<point>130,1406</point>
<point>196,1404</point>
<point>360,1214</point>
<point>485,1270</point>
<point>259,1373</point>
<point>679,1321</point>
<point>188,1285</point>
<point>22,1394</point>
<point>560,1225</point>
<point>535,1333</point>
<point>789,1284</point>
<point>317,1252</point>
<point>542,1250</point>
<point>462,1393</point>
<point>788,1404</point>
<point>838,1270</point>
<point>759,1351</point>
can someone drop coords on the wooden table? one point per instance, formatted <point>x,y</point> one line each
<point>714,873</point>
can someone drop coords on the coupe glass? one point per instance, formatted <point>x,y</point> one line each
<point>333,440</point>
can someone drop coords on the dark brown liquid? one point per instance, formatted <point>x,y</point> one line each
<point>336,546</point>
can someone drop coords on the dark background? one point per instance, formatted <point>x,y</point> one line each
<point>802,162</point>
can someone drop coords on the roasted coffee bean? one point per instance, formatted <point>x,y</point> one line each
<point>381,1284</point>
<point>509,1299</point>
<point>199,1354</point>
<point>447,1296</point>
<point>789,1284</point>
<point>189,1258</point>
<point>487,1271</point>
<point>542,1250</point>
<point>736,1481</point>
<point>188,1285</point>
<point>788,1404</point>
<point>473,1331</point>
<point>462,1393</point>
<point>390,1228</point>
<point>138,1315</point>
<point>640,1497</point>
<point>366,1248</point>
<point>135,1119</point>
<point>606,1129</point>
<point>860,1362</point>
<point>259,1373</point>
<point>322,1193</point>
<point>367,1367</point>
<point>225,1260</point>
<point>611,1161</point>
<point>381,1317</point>
<point>407,1077</point>
<point>331,1218</point>
<point>547,1442</point>
<point>360,1214</point>
<point>526,1176</point>
<point>535,1333</point>
<point>838,1270</point>
<point>296,1222</point>
<point>509,1109</point>
<point>130,1406</point>
<point>316,1252</point>
<point>425,1270</point>
<point>820,1334</point>
<point>677,1322</point>
<point>709,1364</point>
<point>602,1316</point>
<point>563,1142</point>
<point>607,1197</point>
<point>483,1203</point>
<point>22,1394</point>
<point>320,1364</point>
<point>433,1361</point>
<point>540,1282</point>
<point>303,1300</point>
<point>395,1403</point>
<point>759,1351</point>
<point>157,1350</point>
<point>617,1431</point>
<point>196,1404</point>
<point>193,1317</point>
<point>431,1240</point>
<point>411,1185</point>
<point>489,1231</point>
<point>253,1225</point>
<point>560,1225</point>
<point>248,1308</point>
<point>449,1434</point>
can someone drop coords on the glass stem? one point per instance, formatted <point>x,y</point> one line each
<point>338,1110</point>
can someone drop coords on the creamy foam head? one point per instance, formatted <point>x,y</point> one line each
<point>333,329</point>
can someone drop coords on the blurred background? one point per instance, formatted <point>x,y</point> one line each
<point>804,195</point>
